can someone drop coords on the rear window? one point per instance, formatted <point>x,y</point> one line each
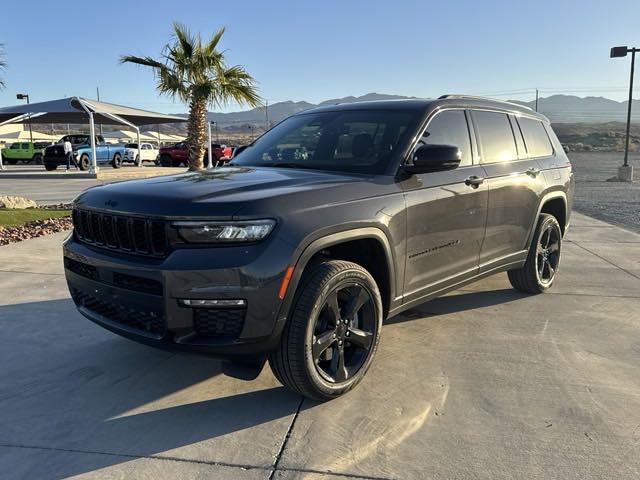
<point>496,137</point>
<point>535,137</point>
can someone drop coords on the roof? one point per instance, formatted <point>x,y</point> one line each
<point>75,110</point>
<point>414,104</point>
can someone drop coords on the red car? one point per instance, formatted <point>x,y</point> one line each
<point>178,154</point>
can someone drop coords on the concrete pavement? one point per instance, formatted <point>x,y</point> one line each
<point>48,188</point>
<point>483,383</point>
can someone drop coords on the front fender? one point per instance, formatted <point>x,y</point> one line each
<point>318,242</point>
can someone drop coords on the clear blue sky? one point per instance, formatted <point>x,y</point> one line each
<point>315,50</point>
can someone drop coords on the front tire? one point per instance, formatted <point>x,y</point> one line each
<point>50,167</point>
<point>165,161</point>
<point>331,337</point>
<point>84,162</point>
<point>543,260</point>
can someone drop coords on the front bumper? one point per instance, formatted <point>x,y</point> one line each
<point>138,297</point>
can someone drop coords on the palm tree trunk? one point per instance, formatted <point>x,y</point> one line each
<point>197,134</point>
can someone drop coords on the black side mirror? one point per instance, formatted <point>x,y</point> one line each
<point>434,158</point>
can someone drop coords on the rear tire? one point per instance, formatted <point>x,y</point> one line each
<point>49,167</point>
<point>117,161</point>
<point>543,260</point>
<point>331,337</point>
<point>37,159</point>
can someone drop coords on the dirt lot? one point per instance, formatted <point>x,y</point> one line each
<point>613,202</point>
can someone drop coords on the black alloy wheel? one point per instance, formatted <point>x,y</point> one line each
<point>548,253</point>
<point>343,332</point>
<point>543,259</point>
<point>333,331</point>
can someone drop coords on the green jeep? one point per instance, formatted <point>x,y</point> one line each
<point>26,152</point>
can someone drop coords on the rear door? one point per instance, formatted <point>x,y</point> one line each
<point>445,214</point>
<point>515,183</point>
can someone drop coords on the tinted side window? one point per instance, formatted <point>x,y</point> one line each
<point>449,128</point>
<point>535,137</point>
<point>496,136</point>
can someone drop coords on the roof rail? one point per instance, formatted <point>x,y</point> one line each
<point>473,97</point>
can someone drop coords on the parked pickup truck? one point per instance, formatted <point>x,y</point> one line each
<point>148,151</point>
<point>106,153</point>
<point>27,152</point>
<point>178,154</point>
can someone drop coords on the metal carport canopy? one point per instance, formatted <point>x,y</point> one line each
<point>77,109</point>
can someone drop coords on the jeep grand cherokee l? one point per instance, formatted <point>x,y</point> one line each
<point>337,218</point>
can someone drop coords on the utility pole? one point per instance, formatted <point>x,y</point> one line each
<point>625,171</point>
<point>536,99</point>
<point>98,92</point>
<point>266,114</point>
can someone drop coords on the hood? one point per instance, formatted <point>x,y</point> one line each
<point>223,192</point>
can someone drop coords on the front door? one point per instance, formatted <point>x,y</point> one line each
<point>446,212</point>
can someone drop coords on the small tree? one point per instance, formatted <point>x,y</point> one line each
<point>197,73</point>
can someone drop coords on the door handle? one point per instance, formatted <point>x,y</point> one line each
<point>473,181</point>
<point>534,172</point>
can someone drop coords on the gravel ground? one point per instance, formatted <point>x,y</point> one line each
<point>613,202</point>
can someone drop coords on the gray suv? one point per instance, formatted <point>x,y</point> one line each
<point>334,220</point>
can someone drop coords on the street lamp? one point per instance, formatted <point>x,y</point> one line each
<point>23,96</point>
<point>625,172</point>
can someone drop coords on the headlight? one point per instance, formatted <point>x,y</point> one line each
<point>224,232</point>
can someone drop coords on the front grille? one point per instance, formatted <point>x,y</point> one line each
<point>88,271</point>
<point>214,322</point>
<point>122,233</point>
<point>150,321</point>
<point>138,284</point>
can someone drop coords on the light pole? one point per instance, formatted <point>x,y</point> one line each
<point>625,172</point>
<point>23,96</point>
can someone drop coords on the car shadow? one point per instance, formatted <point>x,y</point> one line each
<point>458,301</point>
<point>70,387</point>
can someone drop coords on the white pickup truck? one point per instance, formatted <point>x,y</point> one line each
<point>148,153</point>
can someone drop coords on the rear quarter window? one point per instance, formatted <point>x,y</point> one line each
<point>535,137</point>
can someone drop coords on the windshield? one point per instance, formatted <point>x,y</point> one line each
<point>131,145</point>
<point>359,141</point>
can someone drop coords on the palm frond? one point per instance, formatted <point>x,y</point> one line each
<point>145,61</point>
<point>185,39</point>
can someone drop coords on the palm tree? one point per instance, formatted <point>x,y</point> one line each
<point>197,73</point>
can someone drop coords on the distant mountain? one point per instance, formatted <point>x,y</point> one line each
<point>559,109</point>
<point>281,110</point>
<point>572,109</point>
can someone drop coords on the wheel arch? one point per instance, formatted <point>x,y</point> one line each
<point>554,203</point>
<point>352,245</point>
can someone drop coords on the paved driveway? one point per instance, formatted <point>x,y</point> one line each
<point>483,383</point>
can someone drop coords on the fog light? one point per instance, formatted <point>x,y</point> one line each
<point>191,302</point>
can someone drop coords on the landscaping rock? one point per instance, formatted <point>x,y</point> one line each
<point>37,228</point>
<point>8,201</point>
